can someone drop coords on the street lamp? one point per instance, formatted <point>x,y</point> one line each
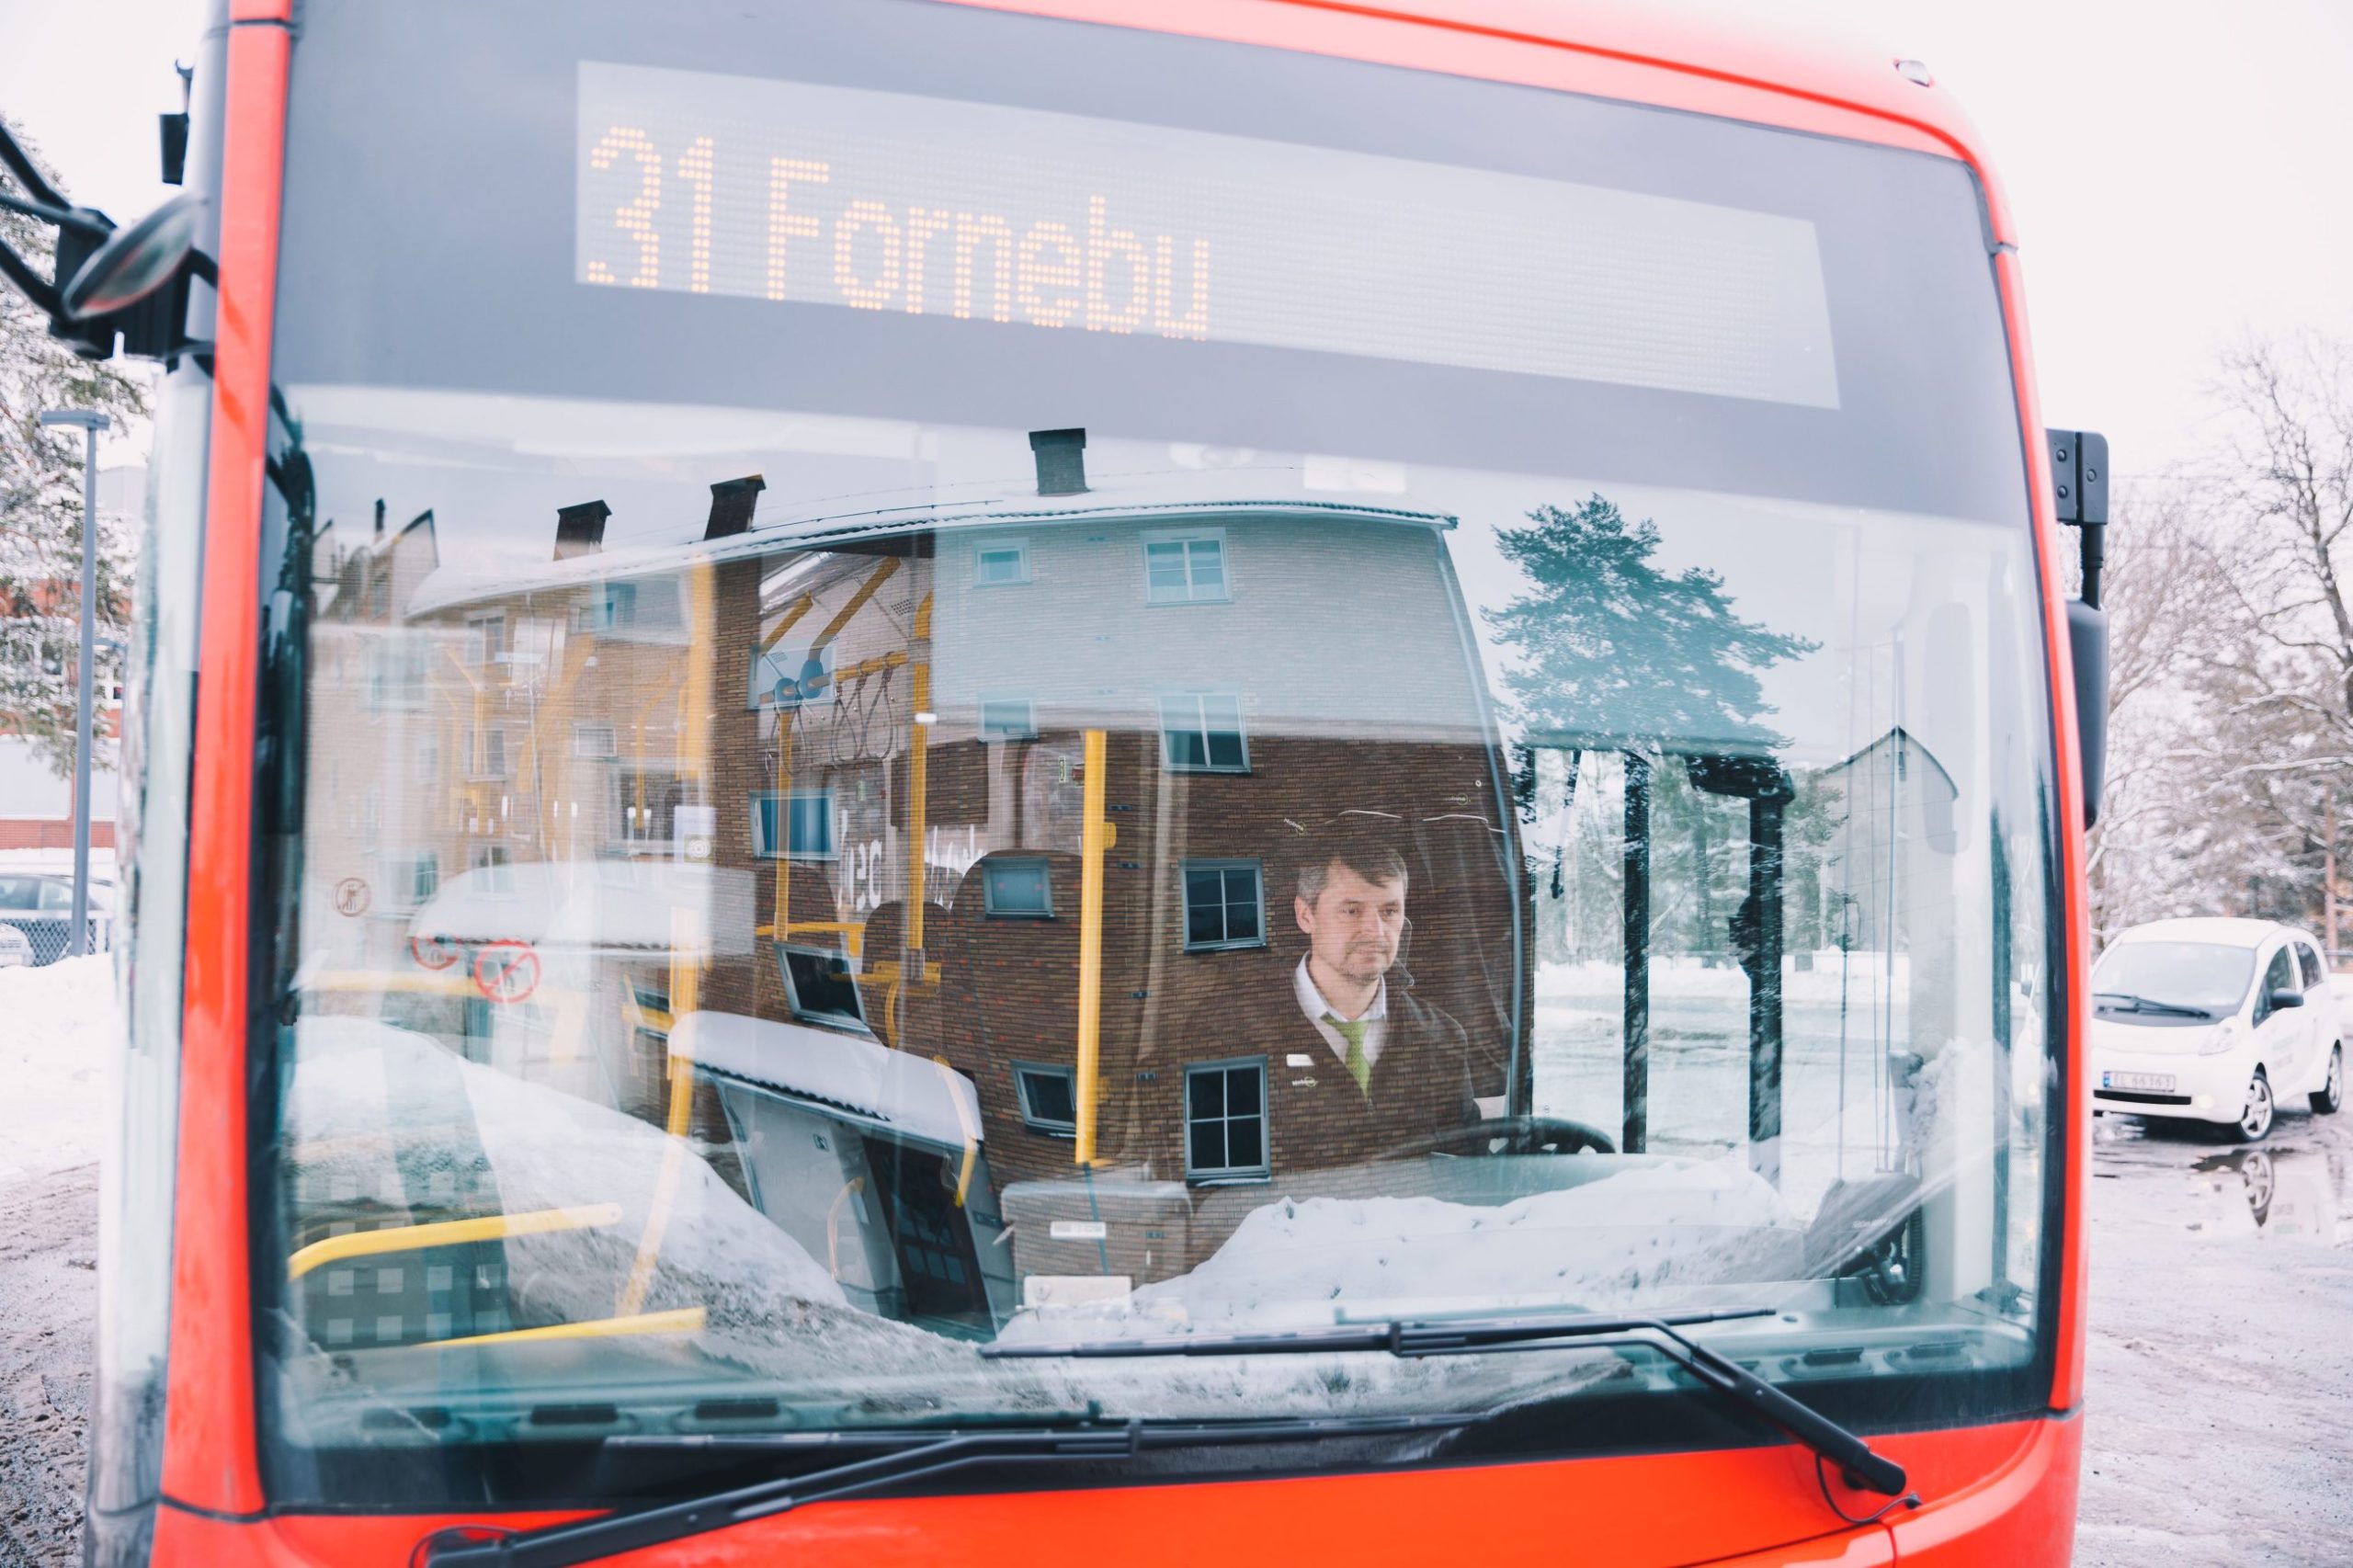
<point>90,423</point>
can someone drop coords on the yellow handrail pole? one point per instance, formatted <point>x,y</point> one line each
<point>448,1232</point>
<point>679,1319</point>
<point>782,847</point>
<point>919,678</point>
<point>800,606</point>
<point>1094,836</point>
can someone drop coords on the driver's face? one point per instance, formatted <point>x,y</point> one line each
<point>1354,927</point>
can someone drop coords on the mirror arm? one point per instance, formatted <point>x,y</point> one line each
<point>91,224</point>
<point>21,164</point>
<point>30,283</point>
<point>2079,487</point>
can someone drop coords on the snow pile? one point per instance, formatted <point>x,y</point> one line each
<point>59,1033</point>
<point>917,1096</point>
<point>1663,1224</point>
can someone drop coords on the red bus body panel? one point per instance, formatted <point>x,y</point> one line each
<point>2001,1494</point>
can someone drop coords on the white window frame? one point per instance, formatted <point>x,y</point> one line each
<point>762,849</point>
<point>1053,1126</point>
<point>1200,698</point>
<point>1228,943</point>
<point>478,767</point>
<point>1194,593</point>
<point>1211,1175</point>
<point>1020,549</point>
<point>609,750</point>
<point>494,857</point>
<point>988,890</point>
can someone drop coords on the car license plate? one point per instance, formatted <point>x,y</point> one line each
<point>2146,1083</point>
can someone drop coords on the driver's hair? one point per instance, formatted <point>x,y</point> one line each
<point>1374,859</point>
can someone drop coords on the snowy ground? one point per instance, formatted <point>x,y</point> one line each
<point>53,1026</point>
<point>2218,1415</point>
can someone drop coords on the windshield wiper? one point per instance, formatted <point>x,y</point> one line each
<point>1454,1337</point>
<point>907,1455</point>
<point>2143,1004</point>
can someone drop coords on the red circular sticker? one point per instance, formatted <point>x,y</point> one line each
<point>432,952</point>
<point>352,896</point>
<point>506,971</point>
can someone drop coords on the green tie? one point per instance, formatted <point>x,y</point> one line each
<point>1352,1030</point>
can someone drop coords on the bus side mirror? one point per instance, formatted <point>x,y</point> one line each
<point>2079,484</point>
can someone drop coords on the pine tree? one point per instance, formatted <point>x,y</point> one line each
<point>1614,651</point>
<point>40,517</point>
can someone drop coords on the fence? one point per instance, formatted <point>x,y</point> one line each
<point>51,935</point>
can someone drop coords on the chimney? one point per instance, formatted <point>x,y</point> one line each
<point>733,502</point>
<point>1061,461</point>
<point>580,529</point>
<point>379,519</point>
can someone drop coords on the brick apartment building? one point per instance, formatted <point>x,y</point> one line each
<point>826,779</point>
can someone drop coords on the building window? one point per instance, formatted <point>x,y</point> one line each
<point>495,864</point>
<point>489,752</point>
<point>594,741</point>
<point>819,987</point>
<point>1185,569</point>
<point>1225,1120</point>
<point>1225,905</point>
<point>1201,732</point>
<point>1000,563</point>
<point>808,819</point>
<point>1048,1098</point>
<point>1017,889</point>
<point>486,638</point>
<point>1008,719</point>
<point>424,877</point>
<point>424,759</point>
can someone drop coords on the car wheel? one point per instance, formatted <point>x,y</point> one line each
<point>2254,1119</point>
<point>2332,1093</point>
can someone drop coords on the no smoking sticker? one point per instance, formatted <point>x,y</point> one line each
<point>432,952</point>
<point>506,971</point>
<point>352,896</point>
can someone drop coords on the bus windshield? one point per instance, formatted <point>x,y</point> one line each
<point>1020,686</point>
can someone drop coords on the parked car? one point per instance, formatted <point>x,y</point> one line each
<point>16,949</point>
<point>39,906</point>
<point>2218,1021</point>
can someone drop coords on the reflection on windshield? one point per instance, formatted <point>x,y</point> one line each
<point>2209,976</point>
<point>1152,896</point>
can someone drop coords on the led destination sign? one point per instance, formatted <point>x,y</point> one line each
<point>883,201</point>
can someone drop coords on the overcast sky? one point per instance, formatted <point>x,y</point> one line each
<point>2177,167</point>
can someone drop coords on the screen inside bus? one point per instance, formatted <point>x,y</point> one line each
<point>995,690</point>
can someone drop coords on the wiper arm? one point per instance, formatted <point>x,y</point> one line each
<point>1454,1337</point>
<point>2143,1004</point>
<point>911,1456</point>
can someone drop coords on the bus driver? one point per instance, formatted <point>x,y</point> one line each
<point>1357,1063</point>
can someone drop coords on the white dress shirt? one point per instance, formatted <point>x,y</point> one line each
<point>1311,1002</point>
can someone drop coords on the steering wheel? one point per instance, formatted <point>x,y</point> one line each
<point>1524,1135</point>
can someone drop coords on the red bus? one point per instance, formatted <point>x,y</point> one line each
<point>1035,780</point>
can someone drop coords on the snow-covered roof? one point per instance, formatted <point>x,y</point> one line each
<point>2227,931</point>
<point>1149,498</point>
<point>896,1089</point>
<point>597,905</point>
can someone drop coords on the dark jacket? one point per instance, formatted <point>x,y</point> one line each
<point>1423,1082</point>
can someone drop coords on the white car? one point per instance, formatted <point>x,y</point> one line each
<point>16,948</point>
<point>2215,1021</point>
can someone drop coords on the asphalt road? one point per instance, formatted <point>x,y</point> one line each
<point>2218,1419</point>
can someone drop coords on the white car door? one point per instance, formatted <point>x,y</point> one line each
<point>2279,1032</point>
<point>2320,1016</point>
